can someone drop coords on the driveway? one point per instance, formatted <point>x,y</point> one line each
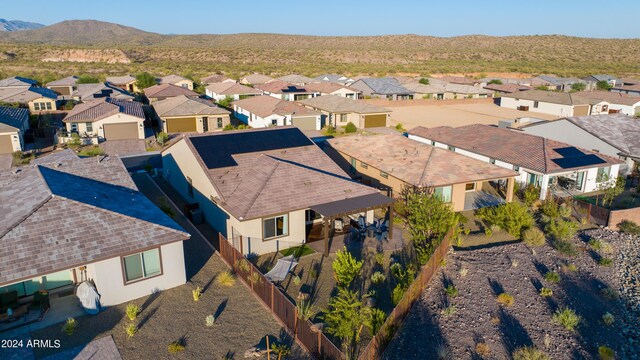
<point>5,161</point>
<point>123,147</point>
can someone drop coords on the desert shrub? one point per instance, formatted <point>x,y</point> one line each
<point>305,309</point>
<point>243,265</point>
<point>572,267</point>
<point>546,292</point>
<point>403,276</point>
<point>512,217</point>
<point>132,310</point>
<point>281,349</point>
<point>75,140</point>
<point>605,261</point>
<point>399,127</point>
<point>567,318</point>
<point>451,291</point>
<point>350,128</point>
<point>608,319</point>
<point>564,247</point>
<point>345,267</point>
<point>226,278</point>
<point>505,299</point>
<point>196,293</point>
<point>530,194</point>
<point>560,229</point>
<point>345,317</point>
<point>69,326</point>
<point>609,293</point>
<point>145,80</point>
<point>176,346</point>
<point>87,79</point>
<point>449,310</point>
<point>375,320</point>
<point>429,221</point>
<point>552,277</point>
<point>296,280</point>
<point>550,208</point>
<point>162,138</point>
<point>564,210</point>
<point>443,352</point>
<point>606,353</point>
<point>533,237</point>
<point>255,278</point>
<point>629,227</point>
<point>595,244</point>
<point>483,349</point>
<point>397,293</point>
<point>209,320</point>
<point>94,150</point>
<point>226,101</point>
<point>131,330</point>
<point>463,271</point>
<point>379,257</point>
<point>488,232</point>
<point>529,353</point>
<point>378,277</point>
<point>330,130</point>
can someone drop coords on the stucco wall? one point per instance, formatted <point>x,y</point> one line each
<point>616,216</point>
<point>16,140</point>
<point>543,107</point>
<point>98,126</point>
<point>42,100</point>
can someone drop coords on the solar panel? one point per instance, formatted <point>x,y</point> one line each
<point>569,151</point>
<point>578,161</point>
<point>216,150</point>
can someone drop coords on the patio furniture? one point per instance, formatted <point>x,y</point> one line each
<point>281,269</point>
<point>16,313</point>
<point>8,300</point>
<point>40,300</point>
<point>338,225</point>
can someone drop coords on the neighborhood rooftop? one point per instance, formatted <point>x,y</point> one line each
<point>12,118</point>
<point>167,90</point>
<point>215,78</point>
<point>17,81</point>
<point>619,131</point>
<point>386,86</point>
<point>182,105</point>
<point>68,81</point>
<point>265,105</point>
<point>232,88</point>
<point>121,80</point>
<point>340,104</point>
<point>102,108</point>
<point>25,94</point>
<point>280,87</point>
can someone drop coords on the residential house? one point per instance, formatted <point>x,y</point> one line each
<point>610,79</point>
<point>335,78</point>
<point>460,80</point>
<point>396,164</point>
<point>549,164</point>
<point>506,88</point>
<point>177,80</point>
<point>386,88</point>
<point>215,78</point>
<point>446,91</point>
<point>238,179</point>
<point>88,92</point>
<point>530,82</point>
<point>339,111</point>
<point>615,135</point>
<point>163,91</point>
<point>64,86</point>
<point>13,123</point>
<point>36,98</point>
<point>563,84</point>
<point>17,82</point>
<point>618,102</point>
<point>264,111</point>
<point>633,90</point>
<point>185,114</point>
<point>554,103</point>
<point>329,88</point>
<point>285,91</point>
<point>107,119</point>
<point>296,79</point>
<point>125,82</point>
<point>73,220</point>
<point>221,90</point>
<point>255,79</point>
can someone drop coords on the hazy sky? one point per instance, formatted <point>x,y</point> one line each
<point>592,18</point>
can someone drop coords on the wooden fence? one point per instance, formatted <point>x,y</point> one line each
<point>377,345</point>
<point>597,214</point>
<point>313,339</point>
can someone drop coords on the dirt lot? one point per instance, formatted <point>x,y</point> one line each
<point>455,115</point>
<point>476,317</point>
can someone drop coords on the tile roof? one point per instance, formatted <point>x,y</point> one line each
<point>458,80</point>
<point>58,156</point>
<point>445,87</point>
<point>215,78</point>
<point>336,78</point>
<point>385,86</point>
<point>250,169</point>
<point>416,163</point>
<point>120,80</point>
<point>328,87</point>
<point>65,214</point>
<point>604,77</point>
<point>257,78</point>
<point>618,130</point>
<point>182,105</point>
<point>17,81</point>
<point>12,119</point>
<point>23,94</point>
<point>99,90</point>
<point>341,104</point>
<point>554,97</point>
<point>281,87</point>
<point>635,87</point>
<point>507,88</point>
<point>296,79</point>
<point>167,90</point>
<point>99,109</point>
<point>265,105</point>
<point>511,146</point>
<point>610,97</point>
<point>172,79</point>
<point>68,81</point>
<point>232,88</point>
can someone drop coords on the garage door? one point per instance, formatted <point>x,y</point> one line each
<point>375,120</point>
<point>121,131</point>
<point>305,123</point>
<point>6,147</point>
<point>181,125</point>
<point>581,110</point>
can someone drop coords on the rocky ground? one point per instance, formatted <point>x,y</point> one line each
<point>442,326</point>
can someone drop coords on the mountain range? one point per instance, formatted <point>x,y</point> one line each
<point>17,25</point>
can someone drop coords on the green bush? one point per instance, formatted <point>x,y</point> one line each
<point>513,217</point>
<point>567,318</point>
<point>330,130</point>
<point>69,326</point>
<point>550,208</point>
<point>552,277</point>
<point>629,227</point>
<point>132,310</point>
<point>345,268</point>
<point>449,310</point>
<point>378,277</point>
<point>75,140</point>
<point>451,291</point>
<point>226,101</point>
<point>595,244</point>
<point>608,319</point>
<point>606,353</point>
<point>546,292</point>
<point>505,299</point>
<point>560,229</point>
<point>533,237</point>
<point>131,330</point>
<point>162,138</point>
<point>397,293</point>
<point>176,346</point>
<point>605,261</point>
<point>529,353</point>
<point>564,247</point>
<point>95,150</point>
<point>530,194</point>
<point>350,128</point>
<point>379,257</point>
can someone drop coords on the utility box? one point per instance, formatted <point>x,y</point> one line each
<point>196,216</point>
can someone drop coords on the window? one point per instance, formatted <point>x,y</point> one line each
<point>48,106</point>
<point>274,122</point>
<point>142,265</point>
<point>275,227</point>
<point>470,187</point>
<point>343,117</point>
<point>516,168</point>
<point>74,127</point>
<point>603,174</point>
<point>605,108</point>
<point>190,186</point>
<point>352,168</point>
<point>451,148</point>
<point>535,104</point>
<point>89,127</point>
<point>493,161</point>
<point>433,143</point>
<point>185,86</point>
<point>310,216</point>
<point>364,165</point>
<point>219,123</point>
<point>384,174</point>
<point>444,193</point>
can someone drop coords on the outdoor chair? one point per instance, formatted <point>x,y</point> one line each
<point>338,225</point>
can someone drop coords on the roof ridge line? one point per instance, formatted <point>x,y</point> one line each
<point>38,206</point>
<point>433,148</point>
<point>544,153</point>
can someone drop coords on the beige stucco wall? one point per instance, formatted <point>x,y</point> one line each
<point>212,121</point>
<point>42,100</point>
<point>98,126</point>
<point>187,82</point>
<point>16,139</point>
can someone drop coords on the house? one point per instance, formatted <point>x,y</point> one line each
<point>618,102</point>
<point>221,90</point>
<point>335,78</point>
<point>36,98</point>
<point>554,103</point>
<point>73,220</point>
<point>264,111</point>
<point>615,135</point>
<point>506,88</point>
<point>633,90</point>
<point>185,114</point>
<point>64,86</point>
<point>88,92</point>
<point>386,88</point>
<point>238,179</point>
<point>329,88</point>
<point>460,80</point>
<point>563,84</point>
<point>126,82</point>
<point>215,78</point>
<point>549,164</point>
<point>446,91</point>
<point>610,79</point>
<point>285,91</point>
<point>107,119</point>
<point>254,79</point>
<point>13,123</point>
<point>177,80</point>
<point>530,82</point>
<point>339,111</point>
<point>163,91</point>
<point>17,82</point>
<point>296,79</point>
<point>394,163</point>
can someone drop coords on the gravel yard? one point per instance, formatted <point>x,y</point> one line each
<point>441,324</point>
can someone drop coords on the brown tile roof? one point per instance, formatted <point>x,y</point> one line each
<point>68,81</point>
<point>296,79</point>
<point>101,108</point>
<point>341,104</point>
<point>507,88</point>
<point>215,78</point>
<point>281,87</point>
<point>554,97</point>
<point>120,80</point>
<point>70,213</point>
<point>182,105</point>
<point>514,147</point>
<point>265,105</point>
<point>172,79</point>
<point>416,163</point>
<point>457,80</point>
<point>251,168</point>
<point>232,88</point>
<point>327,87</point>
<point>167,90</point>
<point>257,78</point>
<point>610,97</point>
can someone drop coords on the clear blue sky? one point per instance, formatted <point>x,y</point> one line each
<point>591,18</point>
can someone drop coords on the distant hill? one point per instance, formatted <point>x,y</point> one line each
<point>17,25</point>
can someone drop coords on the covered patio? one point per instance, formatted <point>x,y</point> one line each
<point>488,195</point>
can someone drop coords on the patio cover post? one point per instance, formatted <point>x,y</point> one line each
<point>390,222</point>
<point>325,225</point>
<point>510,186</point>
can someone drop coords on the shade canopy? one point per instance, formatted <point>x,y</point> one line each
<point>353,205</point>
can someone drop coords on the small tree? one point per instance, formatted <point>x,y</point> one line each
<point>430,219</point>
<point>162,138</point>
<point>226,102</point>
<point>579,86</point>
<point>424,81</point>
<point>603,85</point>
<point>613,191</point>
<point>345,318</point>
<point>345,268</point>
<point>145,80</point>
<point>281,350</point>
<point>495,81</point>
<point>350,128</point>
<point>530,194</point>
